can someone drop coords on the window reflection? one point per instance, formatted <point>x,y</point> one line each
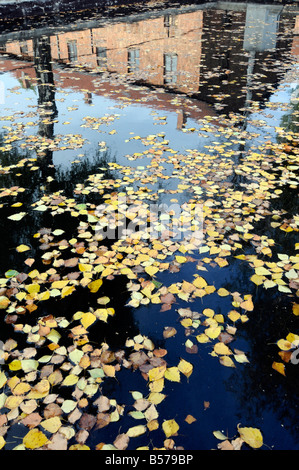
<point>170,69</point>
<point>101,53</point>
<point>72,51</point>
<point>133,60</point>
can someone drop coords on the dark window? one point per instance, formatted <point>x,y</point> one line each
<point>170,68</point>
<point>24,48</point>
<point>169,20</point>
<point>169,25</point>
<point>72,51</point>
<point>101,53</point>
<point>133,60</point>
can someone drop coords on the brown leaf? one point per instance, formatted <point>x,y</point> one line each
<point>225,445</point>
<point>190,419</point>
<point>103,403</point>
<point>32,420</point>
<point>51,410</point>
<point>87,421</point>
<point>168,298</point>
<point>57,442</point>
<point>102,420</point>
<point>169,331</point>
<point>82,436</point>
<point>121,442</point>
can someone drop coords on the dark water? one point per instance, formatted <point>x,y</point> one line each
<point>93,89</point>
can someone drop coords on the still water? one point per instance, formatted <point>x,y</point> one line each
<point>142,99</point>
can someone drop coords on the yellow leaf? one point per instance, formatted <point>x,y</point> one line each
<point>170,427</point>
<point>70,379</point>
<point>88,319</point>
<point>188,287</point>
<point>44,295</point>
<point>247,304</point>
<point>59,284</point>
<point>156,397</point>
<point>202,338</point>
<point>226,361</point>
<point>2,442</point>
<point>233,315</point>
<point>21,388</point>
<point>101,314</point>
<point>291,337</point>
<point>52,424</point>
<point>67,290</point>
<point>156,373</point>
<point>40,390</point>
<point>284,345</point>
<point>219,435</point>
<point>79,447</point>
<point>151,270</point>
<point>213,331</point>
<point>136,431</point>
<point>33,288</point>
<point>85,267</point>
<point>257,279</point>
<point>3,379</point>
<point>22,248</point>
<point>223,349</point>
<point>200,282</point>
<point>252,437</point>
<point>181,259</point>
<point>295,309</point>
<point>4,302</point>
<point>279,367</point>
<point>208,312</point>
<point>222,292</point>
<point>34,439</point>
<point>13,401</point>
<point>262,271</point>
<point>157,385</point>
<point>109,370</point>
<point>172,374</point>
<point>95,285</point>
<point>185,367</point>
<point>15,365</point>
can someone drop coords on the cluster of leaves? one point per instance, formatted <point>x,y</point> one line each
<point>234,197</point>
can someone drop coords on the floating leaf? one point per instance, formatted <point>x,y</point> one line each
<point>52,424</point>
<point>295,309</point>
<point>4,302</point>
<point>185,367</point>
<point>219,435</point>
<point>136,431</point>
<point>17,217</point>
<point>151,270</point>
<point>252,436</point>
<point>226,361</point>
<point>88,319</point>
<point>172,374</point>
<point>95,285</point>
<point>279,367</point>
<point>170,427</point>
<point>34,439</point>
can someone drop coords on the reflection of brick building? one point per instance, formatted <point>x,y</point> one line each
<point>219,56</point>
<point>161,51</point>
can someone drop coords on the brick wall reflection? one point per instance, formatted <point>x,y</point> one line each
<point>160,51</point>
